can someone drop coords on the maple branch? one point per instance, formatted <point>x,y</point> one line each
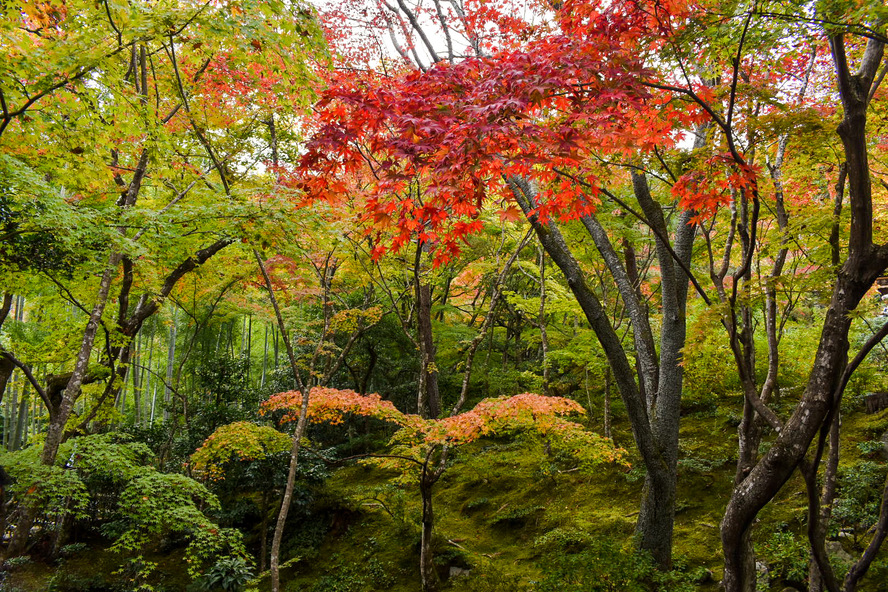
<point>63,288</point>
<point>3,105</point>
<point>725,126</point>
<point>369,455</point>
<point>646,354</point>
<point>197,76</point>
<point>191,18</point>
<point>753,232</point>
<point>859,569</point>
<point>113,25</point>
<point>471,34</point>
<point>664,165</point>
<point>172,55</point>
<point>6,307</point>
<point>854,28</point>
<point>173,202</point>
<point>8,116</point>
<point>145,309</point>
<point>406,32</point>
<point>843,74</point>
<point>736,69</point>
<point>419,30</point>
<point>446,29</point>
<point>877,82</point>
<point>646,222</point>
<point>26,370</point>
<point>874,340</point>
<point>285,334</point>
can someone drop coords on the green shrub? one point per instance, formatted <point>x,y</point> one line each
<point>859,496</point>
<point>488,579</point>
<point>230,574</point>
<point>786,555</point>
<point>604,566</point>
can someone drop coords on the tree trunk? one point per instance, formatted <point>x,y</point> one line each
<point>607,401</point>
<point>20,434</point>
<point>656,441</point>
<point>137,380</point>
<point>263,530</point>
<point>865,262</point>
<point>426,561</point>
<point>171,359</point>
<point>430,398</point>
<point>19,541</point>
<point>297,436</point>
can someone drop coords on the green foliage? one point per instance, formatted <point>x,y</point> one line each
<point>564,539</point>
<point>488,578</point>
<point>14,562</point>
<point>367,575</point>
<point>237,442</point>
<point>229,574</point>
<point>859,495</point>
<point>871,448</point>
<point>786,555</point>
<point>52,489</point>
<point>604,566</point>
<point>157,504</point>
<point>73,549</point>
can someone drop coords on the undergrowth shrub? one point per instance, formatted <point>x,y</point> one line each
<point>229,574</point>
<point>369,575</point>
<point>604,566</point>
<point>786,555</point>
<point>487,578</point>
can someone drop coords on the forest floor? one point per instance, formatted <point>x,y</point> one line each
<point>511,517</point>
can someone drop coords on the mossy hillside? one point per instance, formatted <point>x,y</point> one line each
<point>506,507</point>
<point>92,567</point>
<point>505,510</point>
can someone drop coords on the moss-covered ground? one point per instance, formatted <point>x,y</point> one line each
<point>507,514</point>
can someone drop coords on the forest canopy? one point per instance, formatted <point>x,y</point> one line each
<point>443,294</point>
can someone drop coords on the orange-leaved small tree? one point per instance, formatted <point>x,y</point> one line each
<point>227,452</point>
<point>421,446</point>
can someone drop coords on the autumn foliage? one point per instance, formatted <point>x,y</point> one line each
<point>424,152</point>
<point>235,442</point>
<point>494,416</point>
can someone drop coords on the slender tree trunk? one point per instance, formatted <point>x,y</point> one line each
<point>864,263</point>
<point>137,380</point>
<point>297,436</point>
<point>263,529</point>
<point>171,359</point>
<point>6,368</point>
<point>264,357</point>
<point>426,560</point>
<point>9,418</point>
<point>20,434</point>
<point>607,402</point>
<point>817,530</point>
<point>429,400</point>
<point>19,541</point>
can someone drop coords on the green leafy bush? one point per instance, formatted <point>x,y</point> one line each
<point>859,495</point>
<point>230,574</point>
<point>786,555</point>
<point>605,566</point>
